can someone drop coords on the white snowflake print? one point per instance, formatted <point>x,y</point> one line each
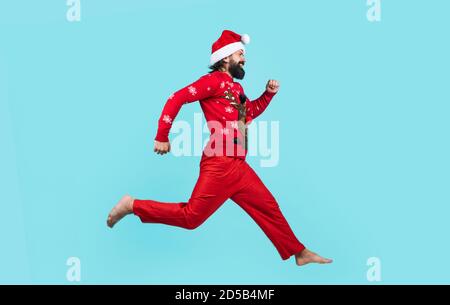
<point>222,85</point>
<point>209,88</point>
<point>234,124</point>
<point>192,90</point>
<point>229,109</point>
<point>167,119</point>
<point>225,131</point>
<point>171,96</point>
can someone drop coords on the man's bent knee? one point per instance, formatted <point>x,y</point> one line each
<point>194,223</point>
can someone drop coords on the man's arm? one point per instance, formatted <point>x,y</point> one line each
<point>256,107</point>
<point>203,88</point>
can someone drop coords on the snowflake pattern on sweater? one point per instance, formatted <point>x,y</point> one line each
<point>229,109</point>
<point>192,90</point>
<point>167,119</point>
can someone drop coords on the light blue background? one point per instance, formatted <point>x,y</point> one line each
<point>364,122</point>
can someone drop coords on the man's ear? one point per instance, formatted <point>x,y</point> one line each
<point>226,60</point>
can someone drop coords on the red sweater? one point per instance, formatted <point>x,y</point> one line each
<point>215,91</point>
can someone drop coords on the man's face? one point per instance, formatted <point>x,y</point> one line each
<point>236,64</point>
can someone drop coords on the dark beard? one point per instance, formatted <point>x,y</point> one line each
<point>236,71</point>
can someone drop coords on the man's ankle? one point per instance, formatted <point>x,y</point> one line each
<point>131,206</point>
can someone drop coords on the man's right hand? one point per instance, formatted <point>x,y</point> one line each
<point>161,148</point>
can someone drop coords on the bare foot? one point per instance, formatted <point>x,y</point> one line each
<point>123,208</point>
<point>305,257</point>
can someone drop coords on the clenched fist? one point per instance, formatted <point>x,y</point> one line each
<point>161,148</point>
<point>272,86</point>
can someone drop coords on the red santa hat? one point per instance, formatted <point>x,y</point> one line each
<point>228,43</point>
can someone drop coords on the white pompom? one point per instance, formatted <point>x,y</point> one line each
<point>245,39</point>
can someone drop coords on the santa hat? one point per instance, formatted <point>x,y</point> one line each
<point>228,43</point>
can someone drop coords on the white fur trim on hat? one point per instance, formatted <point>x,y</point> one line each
<point>226,51</point>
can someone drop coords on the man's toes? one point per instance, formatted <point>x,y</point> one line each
<point>325,260</point>
<point>109,221</point>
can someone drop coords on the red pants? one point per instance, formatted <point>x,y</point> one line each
<point>221,178</point>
